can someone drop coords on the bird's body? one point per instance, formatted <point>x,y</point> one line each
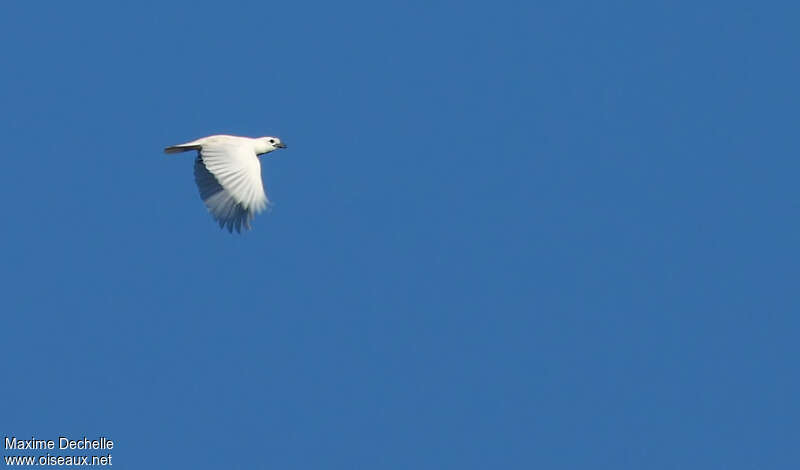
<point>228,175</point>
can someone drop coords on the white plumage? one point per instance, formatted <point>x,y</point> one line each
<point>228,175</point>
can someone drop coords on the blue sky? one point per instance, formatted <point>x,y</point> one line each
<point>556,235</point>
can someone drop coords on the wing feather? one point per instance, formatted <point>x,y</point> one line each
<point>228,176</point>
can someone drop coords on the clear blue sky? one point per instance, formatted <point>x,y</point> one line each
<point>558,235</point>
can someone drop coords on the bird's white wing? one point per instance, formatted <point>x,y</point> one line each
<point>228,175</point>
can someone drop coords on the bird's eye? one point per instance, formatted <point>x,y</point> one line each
<point>272,141</point>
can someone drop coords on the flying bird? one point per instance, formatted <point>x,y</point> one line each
<point>228,175</point>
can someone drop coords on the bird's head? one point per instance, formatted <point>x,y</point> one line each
<point>268,144</point>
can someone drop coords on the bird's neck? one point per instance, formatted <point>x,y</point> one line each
<point>261,146</point>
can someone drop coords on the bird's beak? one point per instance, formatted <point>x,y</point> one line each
<point>281,145</point>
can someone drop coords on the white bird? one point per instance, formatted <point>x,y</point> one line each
<point>228,175</point>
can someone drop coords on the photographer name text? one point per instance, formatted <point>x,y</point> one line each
<point>64,443</point>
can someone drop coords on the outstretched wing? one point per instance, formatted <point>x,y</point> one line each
<point>228,176</point>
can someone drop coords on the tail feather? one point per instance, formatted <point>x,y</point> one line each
<point>181,148</point>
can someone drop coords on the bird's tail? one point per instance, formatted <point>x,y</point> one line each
<point>181,148</point>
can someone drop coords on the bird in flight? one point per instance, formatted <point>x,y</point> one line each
<point>228,175</point>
